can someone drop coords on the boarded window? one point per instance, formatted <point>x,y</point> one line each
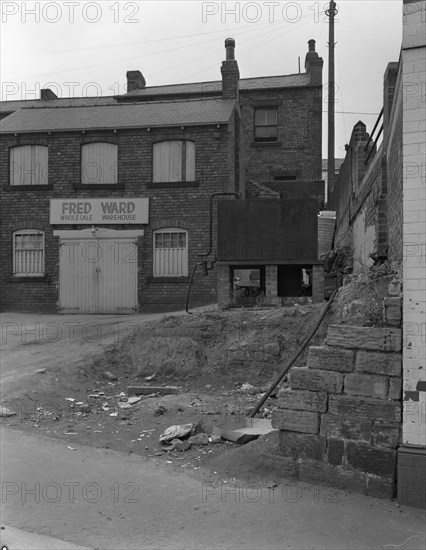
<point>28,253</point>
<point>170,253</point>
<point>174,161</point>
<point>265,125</point>
<point>29,165</point>
<point>99,163</point>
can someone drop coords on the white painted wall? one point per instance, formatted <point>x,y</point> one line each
<point>414,222</point>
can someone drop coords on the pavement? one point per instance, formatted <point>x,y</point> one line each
<point>100,499</point>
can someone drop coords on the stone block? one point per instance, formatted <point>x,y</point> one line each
<point>301,445</point>
<point>372,460</point>
<point>389,364</point>
<point>335,450</point>
<point>337,359</point>
<point>381,487</point>
<point>346,427</point>
<point>394,288</point>
<point>374,409</point>
<point>369,338</point>
<point>369,385</point>
<point>312,470</point>
<point>385,434</point>
<point>303,400</point>
<point>392,312</point>
<point>395,389</point>
<point>295,421</point>
<point>304,378</point>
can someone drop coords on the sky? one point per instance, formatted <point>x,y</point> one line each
<point>84,48</point>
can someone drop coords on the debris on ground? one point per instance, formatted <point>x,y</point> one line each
<point>109,376</point>
<point>148,390</point>
<point>160,410</point>
<point>178,445</point>
<point>176,432</point>
<point>5,412</point>
<point>199,439</point>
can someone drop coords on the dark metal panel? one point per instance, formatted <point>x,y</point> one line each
<point>268,231</point>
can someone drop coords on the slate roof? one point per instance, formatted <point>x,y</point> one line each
<point>120,116</point>
<point>266,82</point>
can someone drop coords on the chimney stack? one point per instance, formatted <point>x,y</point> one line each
<point>230,72</point>
<point>314,64</point>
<point>46,94</point>
<point>135,81</point>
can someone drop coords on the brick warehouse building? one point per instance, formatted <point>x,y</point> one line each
<point>105,201</point>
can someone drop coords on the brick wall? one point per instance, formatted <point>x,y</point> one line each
<point>186,207</point>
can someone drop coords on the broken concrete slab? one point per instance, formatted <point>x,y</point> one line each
<point>148,390</point>
<point>109,376</point>
<point>5,412</point>
<point>199,439</point>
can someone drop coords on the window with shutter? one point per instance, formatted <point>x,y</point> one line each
<point>173,161</point>
<point>28,165</point>
<point>99,163</point>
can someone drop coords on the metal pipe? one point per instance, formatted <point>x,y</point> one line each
<point>189,287</point>
<point>211,219</point>
<point>292,360</point>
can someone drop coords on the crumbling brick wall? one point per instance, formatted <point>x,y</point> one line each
<point>340,417</point>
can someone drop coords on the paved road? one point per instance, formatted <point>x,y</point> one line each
<point>106,500</point>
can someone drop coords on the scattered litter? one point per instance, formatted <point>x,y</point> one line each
<point>145,390</point>
<point>114,413</point>
<point>71,448</point>
<point>149,378</point>
<point>109,376</point>
<point>199,439</point>
<point>105,406</point>
<point>79,403</point>
<point>5,412</point>
<point>159,411</point>
<point>169,461</point>
<point>178,445</point>
<point>124,405</point>
<point>215,438</point>
<point>69,433</point>
<point>40,371</point>
<point>70,399</point>
<point>145,431</point>
<point>88,427</point>
<point>122,394</point>
<point>174,432</point>
<point>97,431</point>
<point>132,400</point>
<point>208,386</point>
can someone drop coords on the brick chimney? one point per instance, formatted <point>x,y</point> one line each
<point>389,90</point>
<point>135,81</point>
<point>230,72</point>
<point>314,64</point>
<point>46,94</point>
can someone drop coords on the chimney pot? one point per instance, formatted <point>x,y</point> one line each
<point>230,49</point>
<point>311,44</point>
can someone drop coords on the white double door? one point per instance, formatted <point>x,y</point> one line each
<point>98,272</point>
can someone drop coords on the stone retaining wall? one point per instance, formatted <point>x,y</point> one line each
<point>340,417</point>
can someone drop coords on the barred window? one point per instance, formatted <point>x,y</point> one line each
<point>170,253</point>
<point>28,253</point>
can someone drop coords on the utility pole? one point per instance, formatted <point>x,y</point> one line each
<point>331,164</point>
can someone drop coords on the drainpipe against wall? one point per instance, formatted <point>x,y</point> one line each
<point>206,269</point>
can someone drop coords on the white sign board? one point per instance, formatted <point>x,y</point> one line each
<point>123,210</point>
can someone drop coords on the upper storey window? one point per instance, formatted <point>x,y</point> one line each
<point>265,125</point>
<point>28,165</point>
<point>173,161</point>
<point>99,163</point>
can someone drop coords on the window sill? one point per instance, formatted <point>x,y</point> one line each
<point>27,187</point>
<point>169,184</point>
<point>266,144</point>
<point>162,280</point>
<point>95,186</point>
<point>24,279</point>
